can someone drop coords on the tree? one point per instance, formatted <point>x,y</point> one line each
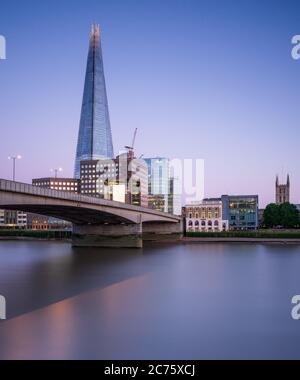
<point>271,216</point>
<point>285,215</point>
<point>289,215</point>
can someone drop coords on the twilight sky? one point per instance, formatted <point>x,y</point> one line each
<point>211,79</point>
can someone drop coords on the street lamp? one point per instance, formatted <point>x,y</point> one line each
<point>56,171</point>
<point>14,158</point>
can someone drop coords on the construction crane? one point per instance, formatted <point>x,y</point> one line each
<point>130,148</point>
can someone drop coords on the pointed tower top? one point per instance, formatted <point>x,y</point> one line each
<point>277,180</point>
<point>95,137</point>
<point>95,30</point>
<point>288,179</point>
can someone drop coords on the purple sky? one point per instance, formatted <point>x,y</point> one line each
<point>199,79</point>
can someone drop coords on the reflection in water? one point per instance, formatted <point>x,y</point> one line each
<point>187,301</point>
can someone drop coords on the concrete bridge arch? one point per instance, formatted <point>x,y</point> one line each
<point>95,221</point>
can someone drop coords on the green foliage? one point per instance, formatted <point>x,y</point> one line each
<point>248,234</point>
<point>285,215</point>
<point>289,215</point>
<point>271,216</point>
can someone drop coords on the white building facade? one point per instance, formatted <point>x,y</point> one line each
<point>13,219</point>
<point>205,216</point>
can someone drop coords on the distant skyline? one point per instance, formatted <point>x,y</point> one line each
<point>209,79</point>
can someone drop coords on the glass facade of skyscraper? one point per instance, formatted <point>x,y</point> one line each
<point>95,138</point>
<point>163,194</point>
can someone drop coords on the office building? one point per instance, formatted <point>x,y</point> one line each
<point>123,179</point>
<point>241,211</point>
<point>41,222</point>
<point>63,184</point>
<point>164,191</point>
<point>94,138</point>
<point>2,218</point>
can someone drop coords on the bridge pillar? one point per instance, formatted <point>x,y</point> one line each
<point>153,231</point>
<point>108,235</point>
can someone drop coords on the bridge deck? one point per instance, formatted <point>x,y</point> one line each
<point>24,188</point>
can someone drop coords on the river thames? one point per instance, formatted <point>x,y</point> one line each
<point>165,301</point>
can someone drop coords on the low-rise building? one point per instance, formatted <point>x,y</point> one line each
<point>13,219</point>
<point>205,216</point>
<point>2,218</point>
<point>41,222</point>
<point>63,184</point>
<point>38,222</point>
<point>241,211</point>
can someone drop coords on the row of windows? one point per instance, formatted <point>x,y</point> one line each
<point>243,224</point>
<point>86,166</point>
<point>93,171</point>
<point>203,223</point>
<point>203,209</point>
<point>242,217</point>
<point>246,213</point>
<point>62,184</point>
<point>243,205</point>
<point>88,191</point>
<point>42,183</point>
<point>93,166</point>
<point>204,215</point>
<point>63,188</point>
<point>206,229</point>
<point>94,176</point>
<point>88,178</point>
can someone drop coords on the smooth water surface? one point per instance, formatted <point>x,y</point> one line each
<point>167,301</point>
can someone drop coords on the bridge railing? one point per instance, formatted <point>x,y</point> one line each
<point>18,187</point>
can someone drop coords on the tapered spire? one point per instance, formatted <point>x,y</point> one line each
<point>94,138</point>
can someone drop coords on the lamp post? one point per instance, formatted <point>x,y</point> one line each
<point>56,171</point>
<point>14,158</point>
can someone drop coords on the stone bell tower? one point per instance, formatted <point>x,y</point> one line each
<point>282,191</point>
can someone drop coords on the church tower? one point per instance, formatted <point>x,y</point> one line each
<point>282,191</point>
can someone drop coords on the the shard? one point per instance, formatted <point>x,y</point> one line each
<point>94,138</point>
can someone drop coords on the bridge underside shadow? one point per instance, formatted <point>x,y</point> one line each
<point>70,214</point>
<point>93,228</point>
